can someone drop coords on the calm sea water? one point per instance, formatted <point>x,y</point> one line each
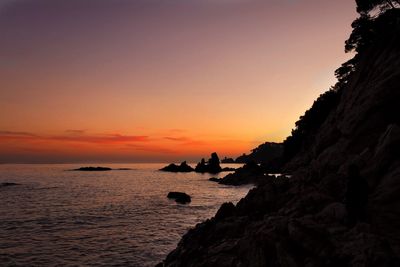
<point>58,217</point>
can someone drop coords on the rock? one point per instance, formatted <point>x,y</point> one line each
<point>212,165</point>
<point>228,169</point>
<point>7,184</point>
<point>93,169</point>
<point>227,160</point>
<point>269,155</point>
<point>250,173</point>
<point>226,210</point>
<point>183,167</point>
<point>300,221</point>
<point>180,197</point>
<point>334,212</point>
<point>214,179</point>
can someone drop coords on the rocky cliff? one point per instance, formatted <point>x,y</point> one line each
<point>303,220</point>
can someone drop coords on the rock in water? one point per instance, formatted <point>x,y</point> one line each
<point>212,166</point>
<point>180,197</point>
<point>183,167</point>
<point>7,184</point>
<point>93,169</point>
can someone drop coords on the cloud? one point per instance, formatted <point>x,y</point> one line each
<point>157,149</point>
<point>11,133</point>
<point>77,137</point>
<point>75,131</point>
<point>186,141</point>
<point>178,139</point>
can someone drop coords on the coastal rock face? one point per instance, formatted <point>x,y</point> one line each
<point>303,220</point>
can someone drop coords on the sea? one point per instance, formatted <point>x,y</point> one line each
<point>59,217</point>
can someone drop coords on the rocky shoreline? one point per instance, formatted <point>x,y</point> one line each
<point>306,220</point>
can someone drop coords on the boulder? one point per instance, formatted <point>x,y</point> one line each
<point>180,197</point>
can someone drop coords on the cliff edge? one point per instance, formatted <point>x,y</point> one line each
<point>304,220</point>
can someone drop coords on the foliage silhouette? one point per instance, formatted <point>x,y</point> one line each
<point>366,30</point>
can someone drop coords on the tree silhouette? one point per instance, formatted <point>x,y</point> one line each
<point>367,30</point>
<point>366,6</point>
<point>312,119</point>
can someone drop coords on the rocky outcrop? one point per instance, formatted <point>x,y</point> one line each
<point>303,220</point>
<point>227,160</point>
<point>211,166</point>
<point>183,167</point>
<point>250,173</point>
<point>180,197</point>
<point>268,154</point>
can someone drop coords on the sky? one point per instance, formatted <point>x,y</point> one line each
<point>161,80</point>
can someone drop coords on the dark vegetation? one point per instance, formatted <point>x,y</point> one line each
<point>267,153</point>
<point>375,17</point>
<point>340,205</point>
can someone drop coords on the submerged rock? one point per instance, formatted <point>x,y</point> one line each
<point>180,197</point>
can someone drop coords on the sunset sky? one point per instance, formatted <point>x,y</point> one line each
<point>160,80</point>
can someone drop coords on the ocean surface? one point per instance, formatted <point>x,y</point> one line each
<point>57,217</point>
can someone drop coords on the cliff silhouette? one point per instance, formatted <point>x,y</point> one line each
<point>341,205</point>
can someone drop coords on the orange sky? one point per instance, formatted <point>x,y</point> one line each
<point>152,80</point>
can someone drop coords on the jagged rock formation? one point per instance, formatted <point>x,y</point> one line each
<point>211,166</point>
<point>303,220</point>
